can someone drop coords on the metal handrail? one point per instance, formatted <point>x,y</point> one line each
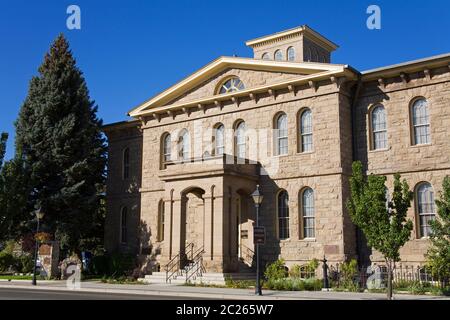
<point>248,255</point>
<point>176,263</point>
<point>196,267</point>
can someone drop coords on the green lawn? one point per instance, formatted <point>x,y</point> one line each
<point>3,277</point>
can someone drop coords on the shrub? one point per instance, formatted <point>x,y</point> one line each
<point>294,284</point>
<point>120,264</point>
<point>24,264</point>
<point>295,271</point>
<point>313,284</point>
<point>276,270</point>
<point>6,261</point>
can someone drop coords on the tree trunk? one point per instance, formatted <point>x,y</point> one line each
<point>389,288</point>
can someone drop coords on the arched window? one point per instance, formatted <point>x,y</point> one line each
<point>166,148</point>
<point>306,131</point>
<point>231,85</point>
<point>421,122</point>
<point>184,145</point>
<point>379,128</point>
<point>123,225</point>
<point>126,164</point>
<point>161,221</point>
<point>283,215</point>
<point>219,140</point>
<point>240,140</point>
<point>265,56</point>
<point>308,213</point>
<point>425,208</point>
<point>291,54</point>
<point>281,131</point>
<point>278,55</point>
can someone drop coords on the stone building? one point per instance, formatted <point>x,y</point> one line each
<point>181,172</point>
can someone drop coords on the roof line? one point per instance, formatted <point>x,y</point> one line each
<point>408,63</point>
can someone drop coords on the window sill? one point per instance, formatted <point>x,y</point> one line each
<point>281,156</point>
<point>379,150</point>
<point>421,145</point>
<point>305,153</point>
<point>308,240</point>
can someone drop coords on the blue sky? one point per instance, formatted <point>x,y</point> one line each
<point>131,50</point>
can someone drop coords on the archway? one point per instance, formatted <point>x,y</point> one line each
<point>192,235</point>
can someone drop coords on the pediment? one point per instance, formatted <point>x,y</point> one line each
<point>254,73</point>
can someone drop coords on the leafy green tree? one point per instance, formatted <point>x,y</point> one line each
<point>438,255</point>
<point>61,150</point>
<point>383,222</point>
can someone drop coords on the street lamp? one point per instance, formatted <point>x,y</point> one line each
<point>257,198</point>
<point>39,215</point>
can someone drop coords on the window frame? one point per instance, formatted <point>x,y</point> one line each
<point>285,233</point>
<point>222,85</point>
<point>414,126</point>
<point>301,133</point>
<point>373,132</point>
<point>166,157</point>
<point>265,56</point>
<point>276,53</point>
<point>288,52</point>
<point>184,140</point>
<point>303,217</point>
<point>218,146</point>
<point>278,136</point>
<point>420,228</point>
<point>237,145</point>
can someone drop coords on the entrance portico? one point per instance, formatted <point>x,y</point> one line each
<point>208,209</point>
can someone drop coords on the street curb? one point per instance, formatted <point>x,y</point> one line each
<point>158,293</point>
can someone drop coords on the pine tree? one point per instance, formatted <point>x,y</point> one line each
<point>384,226</point>
<point>61,148</point>
<point>3,139</point>
<point>438,255</point>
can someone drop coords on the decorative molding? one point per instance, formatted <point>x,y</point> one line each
<point>427,74</point>
<point>253,97</point>
<point>170,113</point>
<point>291,89</point>
<point>235,101</point>
<point>404,77</point>
<point>382,83</point>
<point>272,93</point>
<point>218,104</point>
<point>201,108</point>
<point>312,85</point>
<point>187,111</point>
<point>157,117</point>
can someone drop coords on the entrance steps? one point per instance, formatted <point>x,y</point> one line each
<point>208,278</point>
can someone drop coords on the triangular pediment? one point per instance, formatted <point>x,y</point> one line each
<point>203,82</point>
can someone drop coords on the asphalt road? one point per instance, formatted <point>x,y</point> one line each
<point>27,294</point>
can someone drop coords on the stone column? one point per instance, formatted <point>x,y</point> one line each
<point>209,221</point>
<point>177,236</point>
<point>167,245</point>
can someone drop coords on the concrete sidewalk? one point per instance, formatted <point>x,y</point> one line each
<point>206,293</point>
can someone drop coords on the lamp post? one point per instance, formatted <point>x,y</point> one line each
<point>39,216</point>
<point>257,198</point>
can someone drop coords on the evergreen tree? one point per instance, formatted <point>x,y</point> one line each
<point>438,255</point>
<point>61,149</point>
<point>3,139</point>
<point>383,222</point>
